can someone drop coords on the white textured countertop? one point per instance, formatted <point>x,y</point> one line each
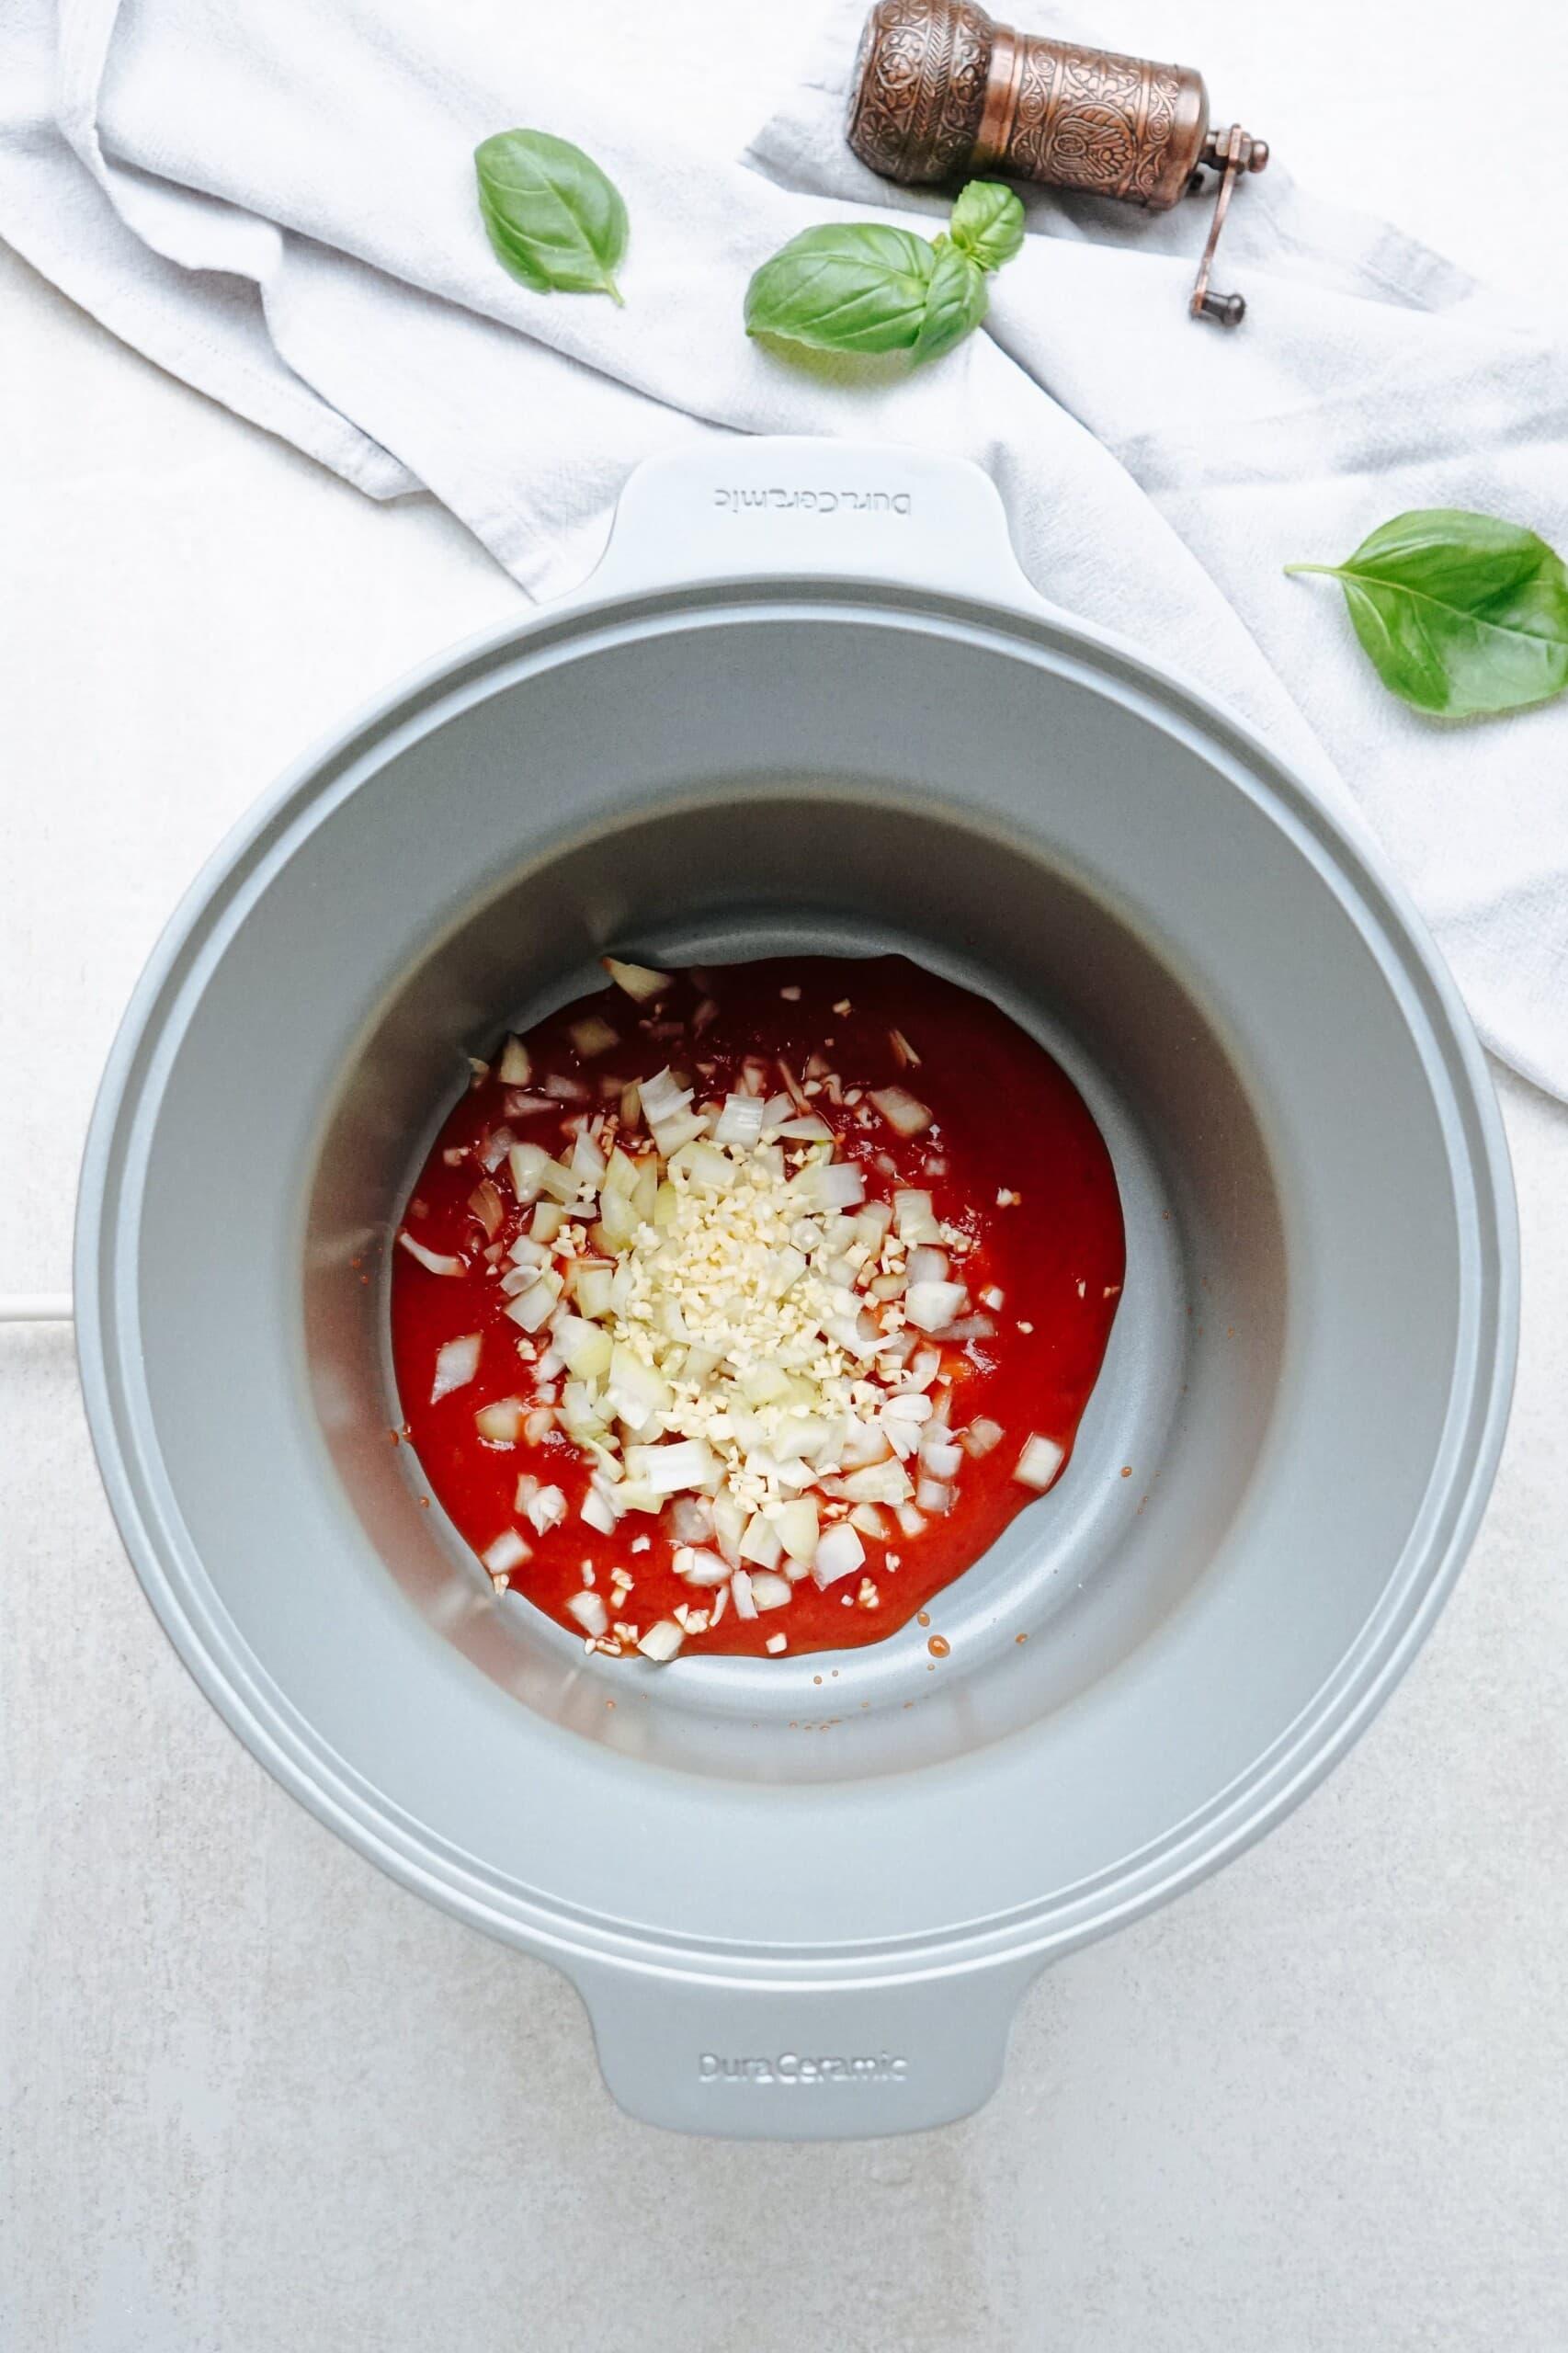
<point>253,2098</point>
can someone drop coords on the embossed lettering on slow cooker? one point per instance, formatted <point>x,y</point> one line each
<point>815,502</point>
<point>794,2068</point>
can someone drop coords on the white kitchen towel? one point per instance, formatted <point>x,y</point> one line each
<point>274,198</point>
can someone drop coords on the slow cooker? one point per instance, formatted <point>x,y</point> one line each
<point>810,703</point>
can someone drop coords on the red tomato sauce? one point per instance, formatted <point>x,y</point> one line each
<point>1012,1160</point>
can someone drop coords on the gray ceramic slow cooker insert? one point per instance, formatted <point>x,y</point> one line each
<point>810,703</point>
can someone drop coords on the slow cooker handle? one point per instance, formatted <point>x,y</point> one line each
<point>801,2062</point>
<point>796,505</point>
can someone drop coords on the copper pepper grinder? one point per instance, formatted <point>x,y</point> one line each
<point>940,93</point>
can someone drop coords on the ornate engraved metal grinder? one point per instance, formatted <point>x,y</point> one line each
<point>940,93</point>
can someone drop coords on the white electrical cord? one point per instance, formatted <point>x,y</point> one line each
<point>35,1307</point>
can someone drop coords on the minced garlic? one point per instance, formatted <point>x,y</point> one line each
<point>738,1274</point>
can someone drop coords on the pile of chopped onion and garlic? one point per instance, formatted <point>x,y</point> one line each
<point>732,1335</point>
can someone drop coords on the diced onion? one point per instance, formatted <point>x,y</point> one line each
<point>872,1226</point>
<point>559,1182</point>
<point>728,1523</point>
<point>739,1121</point>
<point>983,1437</point>
<point>599,1512</point>
<point>762,1544</point>
<point>927,1266</point>
<point>587,1161</point>
<point>534,1309</point>
<point>506,1553</point>
<point>904,1114</point>
<point>930,1307</point>
<point>940,1460</point>
<point>769,1591</point>
<point>741,1594</point>
<point>641,981</point>
<point>689,1463</point>
<point>593,1035</point>
<point>546,1508</point>
<point>698,1566</point>
<point>933,1495</point>
<point>592,1289</point>
<point>636,1392</point>
<point>968,1327</point>
<point>528,1163</point>
<point>839,1552</point>
<point>1039,1463</point>
<point>879,1482</point>
<point>501,1423</point>
<point>588,1608</point>
<point>585,1346</point>
<point>517,1063</point>
<point>680,1127</point>
<point>457,1361</point>
<point>620,1175</point>
<point>913,1217</point>
<point>487,1206</point>
<point>798,1529</point>
<point>439,1262</point>
<point>618,1221</point>
<point>662,1641</point>
<point>839,1184</point>
<point>661,1098</point>
<point>710,1170</point>
<point>691,1519</point>
<point>864,1442</point>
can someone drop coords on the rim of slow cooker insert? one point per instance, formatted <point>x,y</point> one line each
<point>197,1624</point>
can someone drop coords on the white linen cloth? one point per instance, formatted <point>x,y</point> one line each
<point>275,199</point>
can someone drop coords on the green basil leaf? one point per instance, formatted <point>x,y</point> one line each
<point>987,224</point>
<point>849,286</point>
<point>553,219</point>
<point>1461,614</point>
<point>956,301</point>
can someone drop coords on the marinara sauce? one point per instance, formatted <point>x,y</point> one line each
<point>1020,1184</point>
